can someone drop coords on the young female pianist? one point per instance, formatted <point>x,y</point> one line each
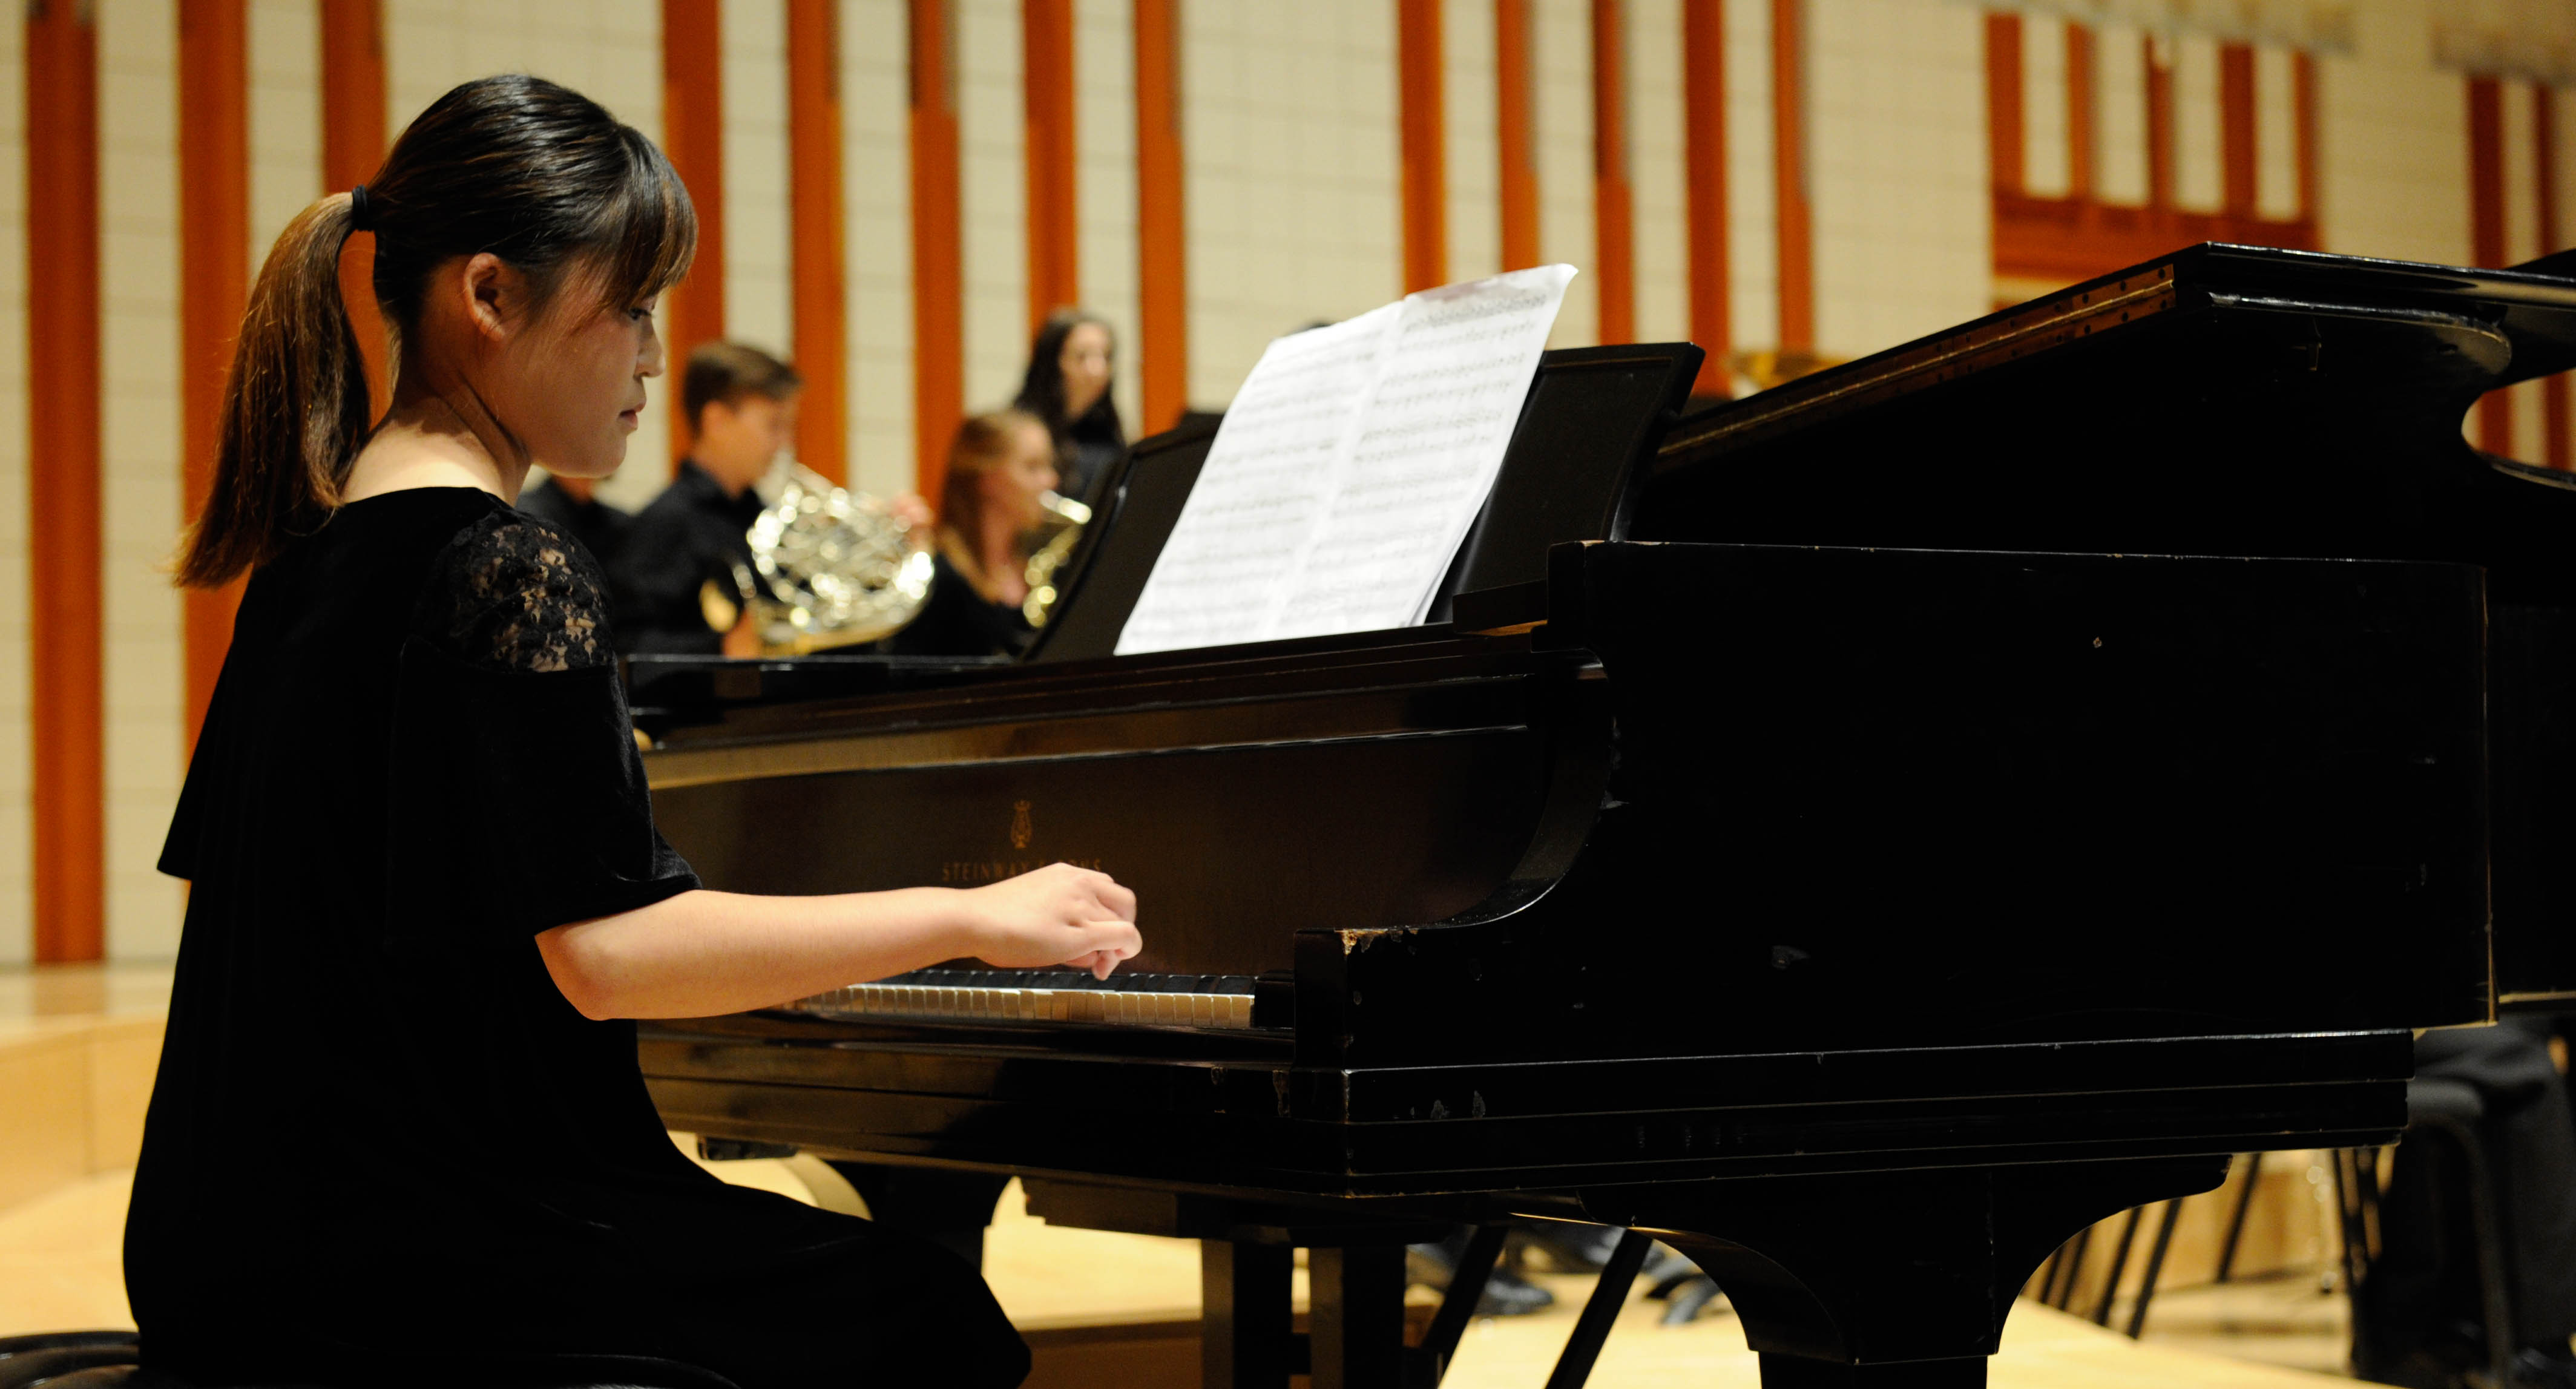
<point>399,1135</point>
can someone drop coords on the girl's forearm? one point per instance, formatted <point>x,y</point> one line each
<point>703,953</point>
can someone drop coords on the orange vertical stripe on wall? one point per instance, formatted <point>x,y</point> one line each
<point>2003,101</point>
<point>1614,239</point>
<point>1421,143</point>
<point>353,147</point>
<point>1162,253</point>
<point>938,283</point>
<point>1789,175</point>
<point>1421,127</point>
<point>2557,449</point>
<point>1052,161</point>
<point>1515,143</point>
<point>2079,112</point>
<point>2236,127</point>
<point>2486,231</point>
<point>1704,190</point>
<point>693,138</point>
<point>214,288</point>
<point>814,233</point>
<point>66,612</point>
<point>2160,124</point>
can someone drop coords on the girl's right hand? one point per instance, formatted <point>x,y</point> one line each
<point>1057,915</point>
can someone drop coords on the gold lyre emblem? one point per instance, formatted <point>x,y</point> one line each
<point>1020,828</point>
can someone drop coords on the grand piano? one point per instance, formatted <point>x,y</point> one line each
<point>1860,834</point>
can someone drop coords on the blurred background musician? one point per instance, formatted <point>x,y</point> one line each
<point>674,585</point>
<point>1067,388</point>
<point>2417,1316</point>
<point>573,504</point>
<point>999,465</point>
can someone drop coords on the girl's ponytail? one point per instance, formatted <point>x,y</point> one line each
<point>295,407</point>
<point>530,171</point>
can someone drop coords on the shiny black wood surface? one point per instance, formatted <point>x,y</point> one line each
<point>2225,400</point>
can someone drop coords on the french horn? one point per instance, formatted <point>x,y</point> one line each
<point>831,568</point>
<point>1060,526</point>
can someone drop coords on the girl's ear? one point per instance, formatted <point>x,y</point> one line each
<point>494,295</point>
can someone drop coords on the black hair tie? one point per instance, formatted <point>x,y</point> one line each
<point>361,217</point>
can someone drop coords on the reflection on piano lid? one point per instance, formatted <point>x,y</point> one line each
<point>1046,996</point>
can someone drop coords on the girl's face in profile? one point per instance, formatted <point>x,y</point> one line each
<point>576,381</point>
<point>1013,488</point>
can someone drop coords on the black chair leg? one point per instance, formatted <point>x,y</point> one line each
<point>1458,1304</point>
<point>1592,1329</point>
<point>2119,1265</point>
<point>2236,1221</point>
<point>2155,1267</point>
<point>2073,1252</point>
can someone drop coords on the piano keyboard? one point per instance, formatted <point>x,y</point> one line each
<point>1045,995</point>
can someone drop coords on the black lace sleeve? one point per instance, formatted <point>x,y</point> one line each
<point>519,800</point>
<point>512,592</point>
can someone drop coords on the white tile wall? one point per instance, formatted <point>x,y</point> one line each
<point>1897,164</point>
<point>876,213</point>
<point>1657,173</point>
<point>139,231</point>
<point>758,295</point>
<point>285,117</point>
<point>2119,115</point>
<point>1470,139</point>
<point>1104,134</point>
<point>2200,178</point>
<point>1752,228</point>
<point>993,187</point>
<point>2276,133</point>
<point>2392,157</point>
<point>17,919</point>
<point>2045,153</point>
<point>1289,156</point>
<point>609,51</point>
<point>1561,104</point>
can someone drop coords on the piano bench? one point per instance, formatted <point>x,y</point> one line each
<point>106,1360</point>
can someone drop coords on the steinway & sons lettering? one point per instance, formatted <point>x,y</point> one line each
<point>993,871</point>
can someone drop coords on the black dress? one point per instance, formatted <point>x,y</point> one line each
<point>959,621</point>
<point>599,527</point>
<point>382,1148</point>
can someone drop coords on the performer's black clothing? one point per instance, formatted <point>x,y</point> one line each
<point>598,526</point>
<point>2420,1302</point>
<point>688,537</point>
<point>958,621</point>
<point>414,696</point>
<point>1089,450</point>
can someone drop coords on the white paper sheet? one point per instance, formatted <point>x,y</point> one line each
<point>1349,468</point>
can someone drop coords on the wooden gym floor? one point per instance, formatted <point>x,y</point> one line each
<point>75,1062</point>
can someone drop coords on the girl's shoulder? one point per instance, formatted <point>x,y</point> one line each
<point>511,591</point>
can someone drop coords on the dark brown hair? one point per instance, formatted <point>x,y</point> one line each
<point>728,371</point>
<point>1042,389</point>
<point>983,443</point>
<point>532,172</point>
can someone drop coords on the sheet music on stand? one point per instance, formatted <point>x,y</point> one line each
<point>1349,469</point>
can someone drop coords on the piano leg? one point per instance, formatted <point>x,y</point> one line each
<point>1244,1319</point>
<point>1355,1316</point>
<point>1894,1279</point>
